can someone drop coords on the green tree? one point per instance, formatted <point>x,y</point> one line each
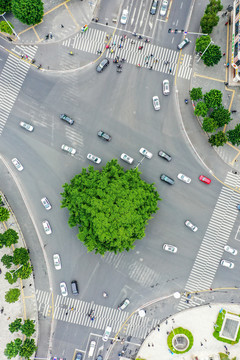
<point>234,135</point>
<point>29,12</point>
<point>214,6</point>
<point>4,214</point>
<point>28,348</point>
<point>7,260</point>
<point>111,207</point>
<point>15,325</point>
<point>196,94</point>
<point>209,125</point>
<point>12,349</point>
<point>4,27</point>
<point>218,139</point>
<point>208,21</point>
<point>10,237</point>
<point>28,328</point>
<point>24,271</point>
<point>12,295</point>
<point>11,277</point>
<point>213,99</point>
<point>20,256</point>
<point>201,109</point>
<point>221,115</point>
<point>212,56</point>
<point>5,6</point>
<point>202,43</point>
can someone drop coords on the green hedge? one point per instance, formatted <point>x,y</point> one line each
<point>176,331</point>
<point>218,328</point>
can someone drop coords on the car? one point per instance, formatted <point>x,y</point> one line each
<point>166,87</point>
<point>164,155</point>
<point>47,227</point>
<point>124,17</point>
<point>46,203</point>
<point>78,356</point>
<point>84,28</point>
<point>17,164</point>
<point>94,158</point>
<point>104,135</point>
<point>156,103</point>
<point>184,178</point>
<point>146,153</point>
<point>69,149</point>
<point>183,43</point>
<point>91,348</point>
<point>99,357</point>
<point>63,288</point>
<point>57,261</point>
<point>26,126</point>
<point>127,158</point>
<point>102,65</point>
<point>170,248</point>
<point>190,225</point>
<point>167,179</point>
<point>204,179</point>
<point>74,287</point>
<point>164,6</point>
<point>154,6</point>
<point>66,118</point>
<point>230,250</point>
<point>107,333</point>
<point>227,263</point>
<point>124,304</point>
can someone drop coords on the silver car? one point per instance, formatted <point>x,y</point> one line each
<point>46,203</point>
<point>164,6</point>
<point>124,304</point>
<point>57,262</point>
<point>191,226</point>
<point>184,178</point>
<point>146,153</point>
<point>63,288</point>
<point>17,164</point>
<point>94,158</point>
<point>68,149</point>
<point>47,227</point>
<point>127,158</point>
<point>166,87</point>
<point>227,263</point>
<point>170,248</point>
<point>230,250</point>
<point>156,103</point>
<point>124,17</point>
<point>26,126</point>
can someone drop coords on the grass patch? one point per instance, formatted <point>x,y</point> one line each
<point>225,357</point>
<point>218,327</point>
<point>176,331</point>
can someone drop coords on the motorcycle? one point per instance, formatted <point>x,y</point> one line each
<point>119,66</point>
<point>105,294</point>
<point>115,61</point>
<point>186,101</point>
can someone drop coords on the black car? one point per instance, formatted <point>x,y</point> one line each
<point>101,66</point>
<point>74,287</point>
<point>104,135</point>
<point>164,155</point>
<point>154,6</point>
<point>167,179</point>
<point>67,119</point>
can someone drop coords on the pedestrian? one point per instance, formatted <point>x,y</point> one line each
<point>210,289</point>
<point>223,54</point>
<point>156,60</point>
<point>146,63</point>
<point>148,345</point>
<point>120,46</point>
<point>139,48</point>
<point>132,42</point>
<point>201,344</point>
<point>121,39</point>
<point>114,43</point>
<point>167,332</point>
<point>30,284</point>
<point>152,344</point>
<point>170,70</point>
<point>151,55</point>
<point>226,83</point>
<point>158,328</point>
<point>23,287</point>
<point>166,322</point>
<point>226,23</point>
<point>62,26</point>
<point>205,340</point>
<point>165,62</point>
<point>225,347</point>
<point>0,271</point>
<point>233,111</point>
<point>150,68</point>
<point>66,313</point>
<point>227,65</point>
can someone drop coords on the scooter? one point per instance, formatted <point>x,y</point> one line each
<point>186,101</point>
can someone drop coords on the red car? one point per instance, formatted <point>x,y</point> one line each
<point>204,179</point>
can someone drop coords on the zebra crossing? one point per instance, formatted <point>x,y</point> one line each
<point>76,312</point>
<point>211,250</point>
<point>11,80</point>
<point>94,40</point>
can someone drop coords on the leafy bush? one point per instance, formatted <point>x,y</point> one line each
<point>12,295</point>
<point>196,94</point>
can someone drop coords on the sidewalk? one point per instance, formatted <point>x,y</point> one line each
<point>200,322</point>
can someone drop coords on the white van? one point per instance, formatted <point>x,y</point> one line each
<point>91,348</point>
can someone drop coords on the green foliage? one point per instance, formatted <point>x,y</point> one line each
<point>25,271</point>
<point>5,6</point>
<point>11,277</point>
<point>12,295</point>
<point>221,115</point>
<point>20,256</point>
<point>10,237</point>
<point>4,27</point>
<point>12,349</point>
<point>15,325</point>
<point>208,21</point>
<point>7,260</point>
<point>218,139</point>
<point>29,12</point>
<point>28,348</point>
<point>218,327</point>
<point>201,109</point>
<point>196,94</point>
<point>214,6</point>
<point>209,125</point>
<point>176,331</point>
<point>28,328</point>
<point>4,214</point>
<point>202,43</point>
<point>212,56</point>
<point>224,356</point>
<point>234,135</point>
<point>213,99</point>
<point>111,207</point>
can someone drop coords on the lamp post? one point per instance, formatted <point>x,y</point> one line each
<point>10,25</point>
<point>16,270</point>
<point>211,42</point>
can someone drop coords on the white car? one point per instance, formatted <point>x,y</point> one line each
<point>47,227</point>
<point>124,304</point>
<point>17,164</point>
<point>57,262</point>
<point>68,149</point>
<point>94,158</point>
<point>191,226</point>
<point>230,250</point>
<point>166,87</point>
<point>107,333</point>
<point>127,158</point>
<point>164,6</point>
<point>124,17</point>
<point>170,248</point>
<point>184,178</point>
<point>63,288</point>
<point>26,126</point>
<point>227,263</point>
<point>145,153</point>
<point>46,203</point>
<point>156,102</point>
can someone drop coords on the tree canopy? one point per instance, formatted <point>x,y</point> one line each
<point>234,135</point>
<point>201,109</point>
<point>212,56</point>
<point>213,99</point>
<point>218,139</point>
<point>111,208</point>
<point>221,115</point>
<point>29,12</point>
<point>209,124</point>
<point>202,42</point>
<point>196,94</point>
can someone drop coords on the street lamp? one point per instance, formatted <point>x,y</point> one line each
<point>15,270</point>
<point>10,25</point>
<point>211,42</point>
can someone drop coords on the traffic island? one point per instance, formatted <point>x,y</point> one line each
<point>180,340</point>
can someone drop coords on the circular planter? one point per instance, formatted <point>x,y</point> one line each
<point>180,340</point>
